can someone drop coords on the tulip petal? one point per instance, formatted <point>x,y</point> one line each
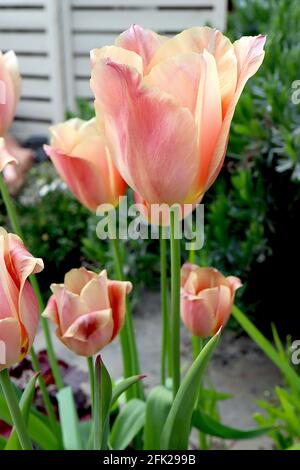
<point>208,115</point>
<point>9,294</point>
<point>8,97</point>
<point>89,333</point>
<point>250,55</point>
<point>234,283</point>
<point>76,279</point>
<point>5,156</point>
<point>197,316</point>
<point>11,62</point>
<point>117,55</point>
<point>142,41</point>
<point>153,141</point>
<point>51,311</point>
<point>198,39</point>
<point>24,265</point>
<point>179,77</point>
<point>94,294</point>
<point>117,291</point>
<point>70,306</point>
<point>10,334</point>
<point>223,309</point>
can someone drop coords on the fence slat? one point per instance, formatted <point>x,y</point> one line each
<point>141,3</point>
<point>35,66</point>
<point>24,129</point>
<point>34,43</point>
<point>118,20</point>
<point>22,18</point>
<point>37,88</point>
<point>35,109</point>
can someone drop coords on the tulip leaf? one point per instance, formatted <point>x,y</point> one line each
<point>122,386</point>
<point>159,403</point>
<point>267,347</point>
<point>39,430</point>
<point>69,419</point>
<point>203,422</point>
<point>177,428</point>
<point>2,442</point>
<point>102,404</point>
<point>128,424</point>
<point>25,404</point>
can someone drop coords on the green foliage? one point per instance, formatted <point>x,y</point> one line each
<point>282,414</point>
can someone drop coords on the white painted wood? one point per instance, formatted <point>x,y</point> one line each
<point>82,88</point>
<point>30,42</point>
<point>38,109</point>
<point>56,56</point>
<point>28,128</point>
<point>119,20</point>
<point>68,50</point>
<point>83,43</point>
<point>141,3</point>
<point>23,18</point>
<point>34,66</point>
<point>36,88</point>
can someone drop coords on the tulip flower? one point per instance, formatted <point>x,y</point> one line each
<point>10,89</point>
<point>19,311</point>
<point>88,310</point>
<point>166,106</point>
<point>206,299</point>
<point>80,156</point>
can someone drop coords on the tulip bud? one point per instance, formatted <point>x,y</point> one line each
<point>19,311</point>
<point>206,299</point>
<point>88,310</point>
<point>80,156</point>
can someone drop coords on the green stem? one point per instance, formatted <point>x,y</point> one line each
<point>12,213</point>
<point>175,297</point>
<point>90,362</point>
<point>14,409</point>
<point>165,339</point>
<point>198,344</point>
<point>45,395</point>
<point>127,337</point>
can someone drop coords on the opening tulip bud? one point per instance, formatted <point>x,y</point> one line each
<point>206,299</point>
<point>88,310</point>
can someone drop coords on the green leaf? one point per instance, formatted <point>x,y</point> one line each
<point>38,427</point>
<point>102,404</point>
<point>294,446</point>
<point>128,424</point>
<point>25,404</point>
<point>267,347</point>
<point>69,419</point>
<point>177,428</point>
<point>122,386</point>
<point>208,425</point>
<point>2,442</point>
<point>158,406</point>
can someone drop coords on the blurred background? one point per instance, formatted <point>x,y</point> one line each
<point>251,212</point>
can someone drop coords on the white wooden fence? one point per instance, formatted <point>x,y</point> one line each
<point>52,39</point>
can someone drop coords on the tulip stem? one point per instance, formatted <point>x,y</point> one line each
<point>175,302</point>
<point>90,362</point>
<point>45,395</point>
<point>127,337</point>
<point>165,339</point>
<point>12,214</point>
<point>14,410</point>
